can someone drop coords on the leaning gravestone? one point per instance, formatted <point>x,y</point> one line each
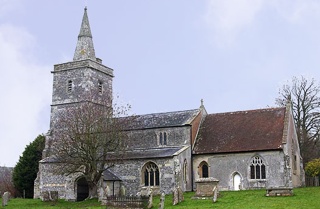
<point>215,194</point>
<point>5,198</point>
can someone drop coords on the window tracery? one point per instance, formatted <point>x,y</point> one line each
<point>257,168</point>
<point>151,175</point>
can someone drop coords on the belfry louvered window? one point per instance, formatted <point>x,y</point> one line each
<point>100,87</point>
<point>70,86</point>
<point>151,174</point>
<point>257,168</point>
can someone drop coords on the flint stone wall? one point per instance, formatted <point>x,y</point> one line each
<point>224,167</point>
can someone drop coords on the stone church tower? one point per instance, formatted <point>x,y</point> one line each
<point>81,80</point>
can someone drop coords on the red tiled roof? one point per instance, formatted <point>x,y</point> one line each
<point>241,131</point>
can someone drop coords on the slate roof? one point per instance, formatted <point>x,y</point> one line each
<point>168,119</point>
<point>152,153</point>
<point>241,131</point>
<point>109,176</point>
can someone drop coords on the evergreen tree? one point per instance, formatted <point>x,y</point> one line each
<point>25,171</point>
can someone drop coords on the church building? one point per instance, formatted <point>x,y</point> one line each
<point>243,150</point>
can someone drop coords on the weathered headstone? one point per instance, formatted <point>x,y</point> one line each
<point>107,191</point>
<point>5,198</point>
<point>122,191</point>
<point>180,195</point>
<point>150,201</point>
<point>162,199</point>
<point>215,194</point>
<point>50,196</point>
<point>175,198</point>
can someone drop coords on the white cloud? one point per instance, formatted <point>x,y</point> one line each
<point>226,18</point>
<point>297,11</point>
<point>25,87</point>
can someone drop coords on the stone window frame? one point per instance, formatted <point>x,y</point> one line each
<point>200,169</point>
<point>257,168</point>
<point>69,86</point>
<point>150,175</point>
<point>163,138</point>
<point>100,86</point>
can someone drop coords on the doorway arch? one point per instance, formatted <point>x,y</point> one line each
<point>82,189</point>
<point>236,182</point>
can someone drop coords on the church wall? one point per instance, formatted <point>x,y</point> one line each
<point>292,151</point>
<point>50,181</point>
<point>225,166</point>
<point>171,173</point>
<point>130,173</point>
<point>149,138</point>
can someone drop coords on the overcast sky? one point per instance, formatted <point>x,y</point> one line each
<point>166,55</point>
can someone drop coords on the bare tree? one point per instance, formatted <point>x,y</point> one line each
<point>6,184</point>
<point>305,98</point>
<point>88,139</point>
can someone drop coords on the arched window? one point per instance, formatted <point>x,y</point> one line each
<point>257,168</point>
<point>160,139</point>
<point>151,174</point>
<point>164,138</point>
<point>203,170</point>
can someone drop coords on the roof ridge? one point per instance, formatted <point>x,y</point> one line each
<point>245,111</point>
<point>162,113</point>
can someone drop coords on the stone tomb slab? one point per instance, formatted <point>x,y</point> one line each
<point>206,188</point>
<point>279,191</point>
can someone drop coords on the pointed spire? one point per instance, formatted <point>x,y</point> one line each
<point>84,48</point>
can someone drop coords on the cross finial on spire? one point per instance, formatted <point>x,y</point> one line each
<point>84,49</point>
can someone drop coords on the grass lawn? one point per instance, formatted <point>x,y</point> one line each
<point>307,198</point>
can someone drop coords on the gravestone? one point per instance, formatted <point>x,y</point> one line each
<point>5,198</point>
<point>50,196</point>
<point>162,199</point>
<point>215,194</point>
<point>180,194</point>
<point>150,201</point>
<point>122,191</point>
<point>175,198</point>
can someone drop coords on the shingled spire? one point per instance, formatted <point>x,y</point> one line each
<point>84,49</point>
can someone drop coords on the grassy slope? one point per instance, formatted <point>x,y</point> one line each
<point>307,198</point>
